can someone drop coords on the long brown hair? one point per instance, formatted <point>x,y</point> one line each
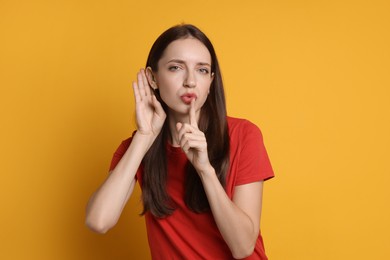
<point>154,195</point>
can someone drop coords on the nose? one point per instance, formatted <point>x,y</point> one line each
<point>189,81</point>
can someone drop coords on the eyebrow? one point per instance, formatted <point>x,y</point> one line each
<point>183,62</point>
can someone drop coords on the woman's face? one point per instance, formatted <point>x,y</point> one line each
<point>184,74</point>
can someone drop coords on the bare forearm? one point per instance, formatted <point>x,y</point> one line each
<point>107,203</point>
<point>236,227</point>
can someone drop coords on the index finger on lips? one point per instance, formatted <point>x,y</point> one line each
<point>192,114</point>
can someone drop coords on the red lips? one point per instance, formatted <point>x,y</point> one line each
<point>187,98</point>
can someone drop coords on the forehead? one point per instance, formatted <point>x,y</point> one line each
<point>188,50</point>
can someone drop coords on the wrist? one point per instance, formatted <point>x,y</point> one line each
<point>206,172</point>
<point>146,140</point>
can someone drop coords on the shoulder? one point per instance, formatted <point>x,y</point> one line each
<point>124,145</point>
<point>249,160</point>
<point>120,151</point>
<point>242,127</point>
<point>244,135</point>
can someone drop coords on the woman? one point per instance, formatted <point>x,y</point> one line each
<point>201,172</point>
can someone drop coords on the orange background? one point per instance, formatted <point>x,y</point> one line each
<point>314,75</point>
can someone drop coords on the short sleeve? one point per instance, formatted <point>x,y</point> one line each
<point>120,151</point>
<point>253,164</point>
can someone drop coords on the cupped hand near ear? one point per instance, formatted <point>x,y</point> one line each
<point>149,112</point>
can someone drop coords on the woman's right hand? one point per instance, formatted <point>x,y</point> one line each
<point>149,112</point>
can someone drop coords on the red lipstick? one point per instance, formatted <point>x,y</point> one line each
<point>188,97</point>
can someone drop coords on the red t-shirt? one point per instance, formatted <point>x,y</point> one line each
<point>189,235</point>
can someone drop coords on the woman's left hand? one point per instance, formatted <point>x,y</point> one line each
<point>193,142</point>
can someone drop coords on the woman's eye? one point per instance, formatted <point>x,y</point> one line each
<point>173,68</point>
<point>204,71</point>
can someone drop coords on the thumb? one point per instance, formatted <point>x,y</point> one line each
<point>178,126</point>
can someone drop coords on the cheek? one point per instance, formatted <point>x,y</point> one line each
<point>165,97</point>
<point>167,90</point>
<point>207,87</point>
<point>204,96</point>
<point>168,83</point>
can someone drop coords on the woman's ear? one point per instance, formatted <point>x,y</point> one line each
<point>151,78</point>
